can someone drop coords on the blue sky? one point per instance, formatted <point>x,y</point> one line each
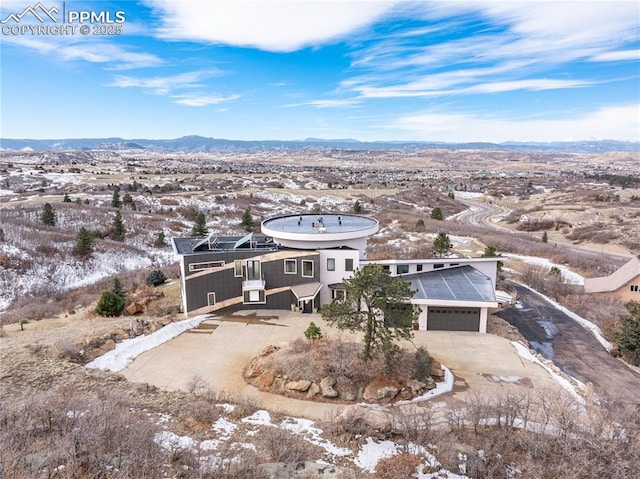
<point>370,70</point>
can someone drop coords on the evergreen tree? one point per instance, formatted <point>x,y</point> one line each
<point>442,244</point>
<point>436,214</point>
<point>375,305</point>
<point>357,207</point>
<point>545,237</point>
<point>199,225</point>
<point>66,198</point>
<point>127,201</point>
<point>628,334</point>
<point>116,288</point>
<point>115,199</point>
<point>84,243</point>
<point>155,278</point>
<point>420,225</point>
<point>161,240</point>
<point>492,252</point>
<point>48,215</point>
<point>247,220</point>
<point>110,304</point>
<point>118,230</point>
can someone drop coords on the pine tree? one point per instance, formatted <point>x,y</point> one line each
<point>115,199</point>
<point>118,230</point>
<point>48,215</point>
<point>116,288</point>
<point>442,244</point>
<point>492,252</point>
<point>545,237</point>
<point>247,220</point>
<point>628,334</point>
<point>84,243</point>
<point>161,240</point>
<point>110,304</point>
<point>357,207</point>
<point>436,214</point>
<point>66,198</point>
<point>199,225</point>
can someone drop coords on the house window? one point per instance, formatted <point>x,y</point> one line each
<point>307,269</point>
<point>634,288</point>
<point>256,296</point>
<point>402,269</point>
<point>385,267</point>
<point>418,268</point>
<point>253,269</point>
<point>211,299</point>
<point>438,265</point>
<point>290,266</point>
<point>331,264</point>
<point>237,268</point>
<point>348,264</point>
<point>209,265</point>
<point>339,294</point>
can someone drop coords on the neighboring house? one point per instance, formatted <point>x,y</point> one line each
<point>300,261</point>
<point>625,282</point>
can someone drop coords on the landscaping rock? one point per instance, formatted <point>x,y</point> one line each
<point>268,350</point>
<point>437,372</point>
<point>381,389</point>
<point>266,379</point>
<point>300,470</point>
<point>416,387</point>
<point>134,308</point>
<point>253,369</point>
<point>326,386</point>
<point>314,389</point>
<point>301,385</point>
<point>361,416</point>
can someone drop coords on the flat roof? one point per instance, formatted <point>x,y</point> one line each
<point>460,283</point>
<point>319,223</point>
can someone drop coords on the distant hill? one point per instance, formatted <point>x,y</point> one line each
<point>195,143</point>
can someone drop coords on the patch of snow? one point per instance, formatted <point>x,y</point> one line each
<point>259,418</point>
<point>372,452</point>
<point>567,275</point>
<point>227,407</point>
<point>441,388</point>
<point>468,195</point>
<point>313,435</point>
<point>126,351</point>
<point>224,427</point>
<point>170,441</point>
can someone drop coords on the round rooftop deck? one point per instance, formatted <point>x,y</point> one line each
<point>328,229</point>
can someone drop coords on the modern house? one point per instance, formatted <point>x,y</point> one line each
<point>625,282</point>
<point>300,261</point>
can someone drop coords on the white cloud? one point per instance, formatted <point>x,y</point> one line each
<point>115,57</point>
<point>615,56</point>
<point>327,103</point>
<point>278,26</point>
<point>203,100</point>
<point>613,123</point>
<point>163,85</point>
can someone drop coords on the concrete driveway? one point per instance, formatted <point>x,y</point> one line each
<point>218,356</point>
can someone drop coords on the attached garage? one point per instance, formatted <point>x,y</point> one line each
<point>453,319</point>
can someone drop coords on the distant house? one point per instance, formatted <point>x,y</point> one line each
<point>625,282</point>
<point>300,262</point>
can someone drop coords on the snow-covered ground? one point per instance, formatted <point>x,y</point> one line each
<point>568,275</point>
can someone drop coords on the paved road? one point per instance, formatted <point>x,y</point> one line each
<point>573,349</point>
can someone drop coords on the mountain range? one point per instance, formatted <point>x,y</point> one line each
<point>195,143</point>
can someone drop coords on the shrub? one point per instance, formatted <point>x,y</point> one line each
<point>110,304</point>
<point>400,466</point>
<point>155,278</point>
<point>313,332</point>
<point>422,365</point>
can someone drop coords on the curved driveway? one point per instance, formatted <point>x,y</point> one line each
<point>574,350</point>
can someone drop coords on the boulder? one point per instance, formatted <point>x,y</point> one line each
<point>326,386</point>
<point>359,416</point>
<point>314,389</point>
<point>268,350</point>
<point>416,387</point>
<point>134,308</point>
<point>108,345</point>
<point>266,379</point>
<point>253,369</point>
<point>381,389</point>
<point>302,385</point>
<point>437,372</point>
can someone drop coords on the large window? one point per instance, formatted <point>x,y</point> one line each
<point>418,267</point>
<point>331,264</point>
<point>208,265</point>
<point>402,268</point>
<point>253,269</point>
<point>348,264</point>
<point>307,269</point>
<point>237,268</point>
<point>438,265</point>
<point>290,266</point>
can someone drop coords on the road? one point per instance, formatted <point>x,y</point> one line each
<point>479,214</point>
<point>574,350</point>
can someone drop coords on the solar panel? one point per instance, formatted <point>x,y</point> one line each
<point>243,240</point>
